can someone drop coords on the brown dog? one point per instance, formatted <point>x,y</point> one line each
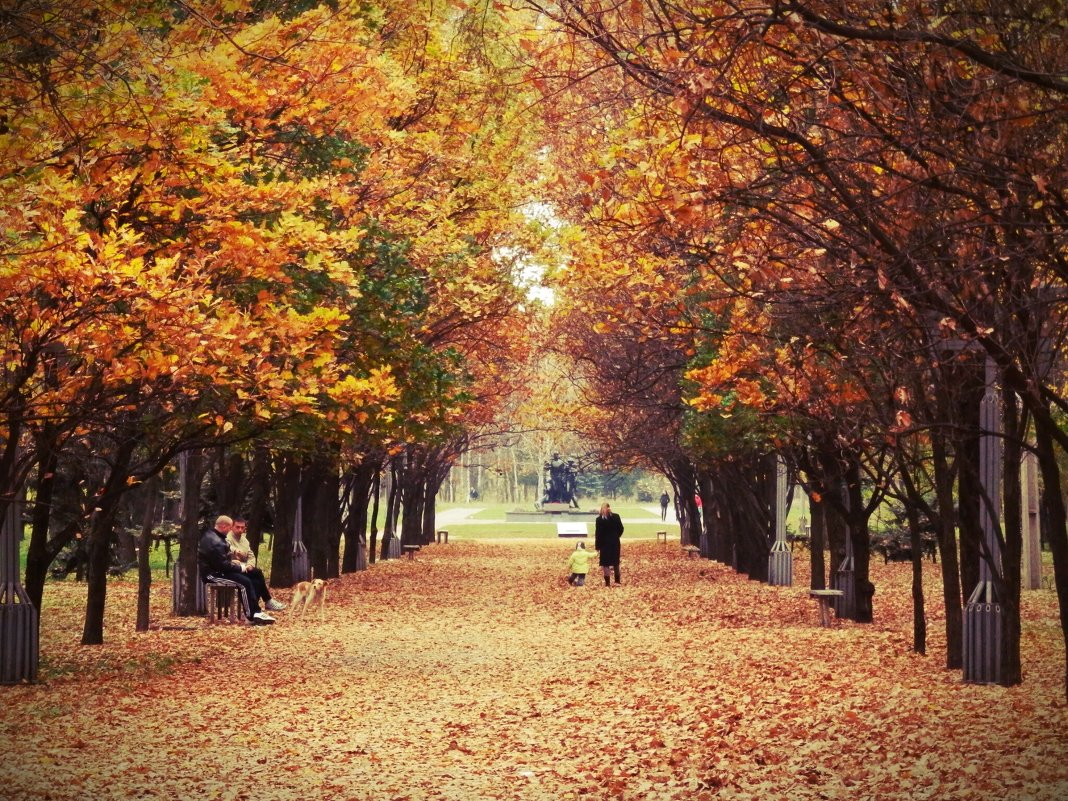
<point>308,593</point>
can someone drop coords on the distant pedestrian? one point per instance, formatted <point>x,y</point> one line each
<point>607,531</point>
<point>665,499</point>
<point>579,565</point>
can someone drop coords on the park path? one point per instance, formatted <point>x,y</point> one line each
<point>474,672</point>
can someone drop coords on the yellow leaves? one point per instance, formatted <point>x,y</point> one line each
<point>222,424</point>
<point>252,256</point>
<point>772,706</point>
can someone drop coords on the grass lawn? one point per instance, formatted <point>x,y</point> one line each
<point>157,561</point>
<point>547,531</point>
<point>497,511</point>
<point>489,522</point>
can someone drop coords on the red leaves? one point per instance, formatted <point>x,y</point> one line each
<point>476,672</point>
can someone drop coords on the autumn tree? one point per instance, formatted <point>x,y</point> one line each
<point>189,276</point>
<point>889,153</point>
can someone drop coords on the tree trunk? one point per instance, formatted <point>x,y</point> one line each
<point>515,475</point>
<point>1056,522</point>
<point>126,543</point>
<point>376,496</point>
<point>229,484</point>
<point>287,491</point>
<point>690,514</point>
<point>858,530</point>
<point>12,479</point>
<point>189,536</point>
<point>748,490</point>
<point>969,492</point>
<point>711,531</point>
<point>396,490</point>
<point>101,534</point>
<point>837,531</point>
<point>331,507</point>
<point>392,504</point>
<point>259,511</point>
<point>144,571</point>
<point>322,518</point>
<point>41,553</point>
<point>359,484</point>
<point>919,616</point>
<point>412,508</point>
<point>947,547</point>
<point>817,541</point>
<point>1012,545</point>
<point>430,494</point>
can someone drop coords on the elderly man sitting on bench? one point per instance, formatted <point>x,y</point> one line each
<point>241,554</point>
<point>216,563</point>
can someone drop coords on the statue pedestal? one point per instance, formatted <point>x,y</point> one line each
<point>546,515</point>
<point>555,508</point>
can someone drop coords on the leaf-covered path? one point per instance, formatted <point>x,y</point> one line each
<point>474,672</point>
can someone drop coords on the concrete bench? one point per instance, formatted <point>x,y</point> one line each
<point>410,550</point>
<point>443,536</point>
<point>661,536</point>
<point>825,597</point>
<point>692,551</point>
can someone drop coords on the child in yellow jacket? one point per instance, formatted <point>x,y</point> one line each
<point>579,565</point>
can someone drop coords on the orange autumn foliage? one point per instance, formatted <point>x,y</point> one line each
<point>685,682</point>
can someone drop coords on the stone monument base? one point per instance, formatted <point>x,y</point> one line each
<point>549,513</point>
<point>556,506</point>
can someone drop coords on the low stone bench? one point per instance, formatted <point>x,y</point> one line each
<point>692,551</point>
<point>825,597</point>
<point>410,550</point>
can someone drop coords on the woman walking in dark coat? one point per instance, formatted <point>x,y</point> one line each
<point>607,531</point>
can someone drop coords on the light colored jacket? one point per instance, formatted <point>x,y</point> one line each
<point>240,551</point>
<point>579,561</point>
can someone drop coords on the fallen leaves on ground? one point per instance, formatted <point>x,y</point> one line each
<point>475,672</point>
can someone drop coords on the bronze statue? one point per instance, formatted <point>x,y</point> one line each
<point>560,479</point>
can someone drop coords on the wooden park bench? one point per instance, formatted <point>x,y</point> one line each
<point>222,600</point>
<point>410,550</point>
<point>661,536</point>
<point>443,536</point>
<point>825,597</point>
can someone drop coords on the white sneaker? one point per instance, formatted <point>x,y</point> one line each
<point>262,617</point>
<point>275,606</point>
